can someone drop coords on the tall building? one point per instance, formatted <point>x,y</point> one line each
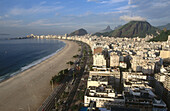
<point>99,60</point>
<point>135,63</point>
<point>164,78</point>
<point>114,59</point>
<point>162,86</point>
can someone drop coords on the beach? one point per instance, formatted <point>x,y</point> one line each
<point>28,90</point>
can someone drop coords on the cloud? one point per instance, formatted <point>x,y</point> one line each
<point>47,22</point>
<point>43,2</point>
<point>12,23</point>
<point>57,14</point>
<point>134,18</point>
<point>115,13</point>
<point>161,4</point>
<point>152,9</point>
<point>40,8</point>
<point>112,1</point>
<point>126,7</point>
<point>34,10</point>
<point>106,1</point>
<point>130,2</point>
<point>91,0</point>
<point>38,22</point>
<point>4,16</point>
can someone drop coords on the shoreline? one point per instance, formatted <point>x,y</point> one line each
<point>34,63</point>
<point>30,88</point>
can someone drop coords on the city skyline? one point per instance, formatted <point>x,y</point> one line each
<point>63,16</point>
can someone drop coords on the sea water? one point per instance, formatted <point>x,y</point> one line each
<point>17,55</point>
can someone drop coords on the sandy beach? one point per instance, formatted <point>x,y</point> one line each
<point>27,90</point>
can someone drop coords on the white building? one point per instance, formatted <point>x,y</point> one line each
<point>123,64</point>
<point>148,68</point>
<point>114,59</point>
<point>102,95</point>
<point>132,79</point>
<point>100,91</point>
<point>136,61</point>
<point>99,60</point>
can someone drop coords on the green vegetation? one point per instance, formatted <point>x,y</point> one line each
<point>162,37</point>
<point>80,95</point>
<point>102,34</point>
<point>58,78</point>
<point>75,108</point>
<point>56,106</point>
<point>84,51</point>
<point>70,62</point>
<point>76,56</point>
<point>79,32</point>
<point>132,29</point>
<point>65,94</point>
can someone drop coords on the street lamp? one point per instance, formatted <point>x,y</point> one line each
<point>55,103</point>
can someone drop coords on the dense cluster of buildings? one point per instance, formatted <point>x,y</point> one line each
<point>127,73</point>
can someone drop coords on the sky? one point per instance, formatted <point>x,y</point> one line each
<point>24,17</point>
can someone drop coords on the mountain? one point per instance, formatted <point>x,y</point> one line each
<point>108,29</point>
<point>104,32</point>
<point>101,34</point>
<point>167,26</point>
<point>162,37</point>
<point>4,34</point>
<point>79,32</point>
<point>133,29</point>
<point>117,27</point>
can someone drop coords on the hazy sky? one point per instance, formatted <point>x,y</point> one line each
<point>65,16</point>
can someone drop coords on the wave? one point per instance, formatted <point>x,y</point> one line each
<point>9,75</point>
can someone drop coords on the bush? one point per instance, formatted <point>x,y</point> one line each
<point>75,108</point>
<point>76,56</point>
<point>80,95</point>
<point>58,78</point>
<point>70,62</point>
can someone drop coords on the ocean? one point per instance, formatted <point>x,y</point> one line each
<point>17,55</point>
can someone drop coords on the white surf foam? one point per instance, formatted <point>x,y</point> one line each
<point>9,75</point>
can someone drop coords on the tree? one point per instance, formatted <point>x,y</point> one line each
<point>70,62</point>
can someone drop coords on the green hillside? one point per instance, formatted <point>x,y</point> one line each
<point>132,29</point>
<point>79,32</point>
<point>162,37</point>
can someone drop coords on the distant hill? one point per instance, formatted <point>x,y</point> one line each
<point>4,34</point>
<point>102,32</point>
<point>167,26</point>
<point>162,37</point>
<point>132,29</point>
<point>108,29</point>
<point>79,32</point>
